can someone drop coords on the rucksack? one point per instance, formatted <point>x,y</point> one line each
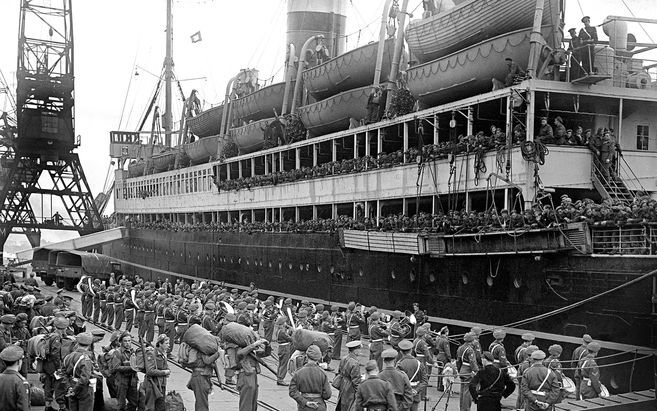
<point>187,355</point>
<point>105,362</point>
<point>174,402</point>
<point>138,358</point>
<point>37,346</point>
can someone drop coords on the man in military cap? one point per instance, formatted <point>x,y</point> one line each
<point>160,305</point>
<point>466,361</point>
<point>125,377</point>
<point>14,388</point>
<point>350,371</point>
<point>415,371</point>
<point>377,335</point>
<point>199,382</point>
<point>310,386</point>
<point>147,330</point>
<point>6,326</point>
<point>540,387</point>
<point>521,352</point>
<point>490,384</point>
<point>157,372</point>
<point>395,329</point>
<point>247,371</point>
<point>444,355</point>
<point>170,320</point>
<point>578,354</point>
<point>354,319</point>
<point>78,367</point>
<point>284,339</point>
<point>268,317</point>
<point>31,280</point>
<point>20,336</point>
<point>522,367</point>
<point>589,386</point>
<point>110,308</point>
<point>141,313</point>
<point>119,310</point>
<point>207,320</point>
<point>401,385</point>
<point>375,393</point>
<point>52,363</point>
<point>302,322</point>
<point>588,36</point>
<point>337,321</point>
<point>497,349</point>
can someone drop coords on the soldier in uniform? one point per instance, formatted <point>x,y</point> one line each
<point>199,382</point>
<point>53,362</point>
<point>125,377</point>
<point>375,393</point>
<point>466,361</point>
<point>354,320</point>
<point>157,372</point>
<point>415,371</point>
<point>96,301</point>
<point>170,322</point>
<point>521,352</point>
<point>182,322</point>
<point>130,309</point>
<point>590,386</point>
<point>310,386</point>
<point>141,313</point>
<point>247,372</point>
<point>522,367</point>
<point>540,387</point>
<point>303,320</point>
<point>395,330</point>
<point>6,327</point>
<point>498,351</point>
<point>78,367</point>
<point>32,280</point>
<point>110,308</point>
<point>268,317</point>
<point>350,371</point>
<point>284,339</point>
<point>148,328</point>
<point>444,355</point>
<point>579,353</point>
<point>337,320</point>
<point>377,335</point>
<point>159,311</point>
<point>14,388</point>
<point>119,313</point>
<point>207,321</point>
<point>490,384</point>
<point>401,385</point>
<point>21,334</point>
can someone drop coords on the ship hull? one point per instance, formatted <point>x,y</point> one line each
<point>468,72</point>
<point>348,71</point>
<point>472,22</point>
<point>314,266</point>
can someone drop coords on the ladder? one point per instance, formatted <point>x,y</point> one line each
<point>610,186</point>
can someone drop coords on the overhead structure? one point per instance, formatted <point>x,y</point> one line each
<point>40,158</point>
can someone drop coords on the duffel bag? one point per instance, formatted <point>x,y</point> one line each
<point>201,339</point>
<point>238,334</point>
<point>302,339</point>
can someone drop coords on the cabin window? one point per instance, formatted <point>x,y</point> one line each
<point>642,136</point>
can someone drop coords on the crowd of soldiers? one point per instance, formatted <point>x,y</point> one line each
<point>403,350</point>
<point>609,213</point>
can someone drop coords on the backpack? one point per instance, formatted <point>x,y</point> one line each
<point>174,402</point>
<point>37,346</point>
<point>137,359</point>
<point>105,362</point>
<point>187,355</point>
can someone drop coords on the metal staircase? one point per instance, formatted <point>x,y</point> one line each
<point>610,185</point>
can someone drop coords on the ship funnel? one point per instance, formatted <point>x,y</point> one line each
<point>306,18</point>
<point>617,32</point>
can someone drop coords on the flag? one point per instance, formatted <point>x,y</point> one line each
<point>196,37</point>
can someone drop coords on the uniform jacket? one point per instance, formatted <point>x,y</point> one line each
<point>535,377</point>
<point>350,371</point>
<point>401,386</point>
<point>417,374</point>
<point>499,354</point>
<point>310,379</point>
<point>14,391</point>
<point>375,391</point>
<point>590,373</point>
<point>492,382</point>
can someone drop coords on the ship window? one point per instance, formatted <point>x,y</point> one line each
<point>412,276</point>
<point>289,266</point>
<point>393,275</point>
<point>642,136</point>
<point>432,278</point>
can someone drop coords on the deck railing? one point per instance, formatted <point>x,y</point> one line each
<point>634,240</point>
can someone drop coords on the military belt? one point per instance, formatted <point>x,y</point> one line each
<point>378,340</point>
<point>311,395</point>
<point>285,343</point>
<point>149,311</point>
<point>182,323</point>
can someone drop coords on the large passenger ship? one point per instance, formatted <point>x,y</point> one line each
<point>392,175</point>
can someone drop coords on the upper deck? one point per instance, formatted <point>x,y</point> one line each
<point>379,164</point>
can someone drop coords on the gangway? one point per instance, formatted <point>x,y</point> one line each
<point>81,243</point>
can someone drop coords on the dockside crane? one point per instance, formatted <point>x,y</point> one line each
<point>41,158</point>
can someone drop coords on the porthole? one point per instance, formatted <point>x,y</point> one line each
<point>360,272</point>
<point>307,267</point>
<point>432,278</point>
<point>411,276</point>
<point>319,268</point>
<point>247,261</point>
<point>464,278</point>
<point>270,264</point>
<point>289,266</point>
<point>300,267</point>
<point>393,275</point>
<point>332,269</point>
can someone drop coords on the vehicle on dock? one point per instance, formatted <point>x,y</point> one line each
<point>71,265</point>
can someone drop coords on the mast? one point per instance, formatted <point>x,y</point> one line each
<point>168,77</point>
